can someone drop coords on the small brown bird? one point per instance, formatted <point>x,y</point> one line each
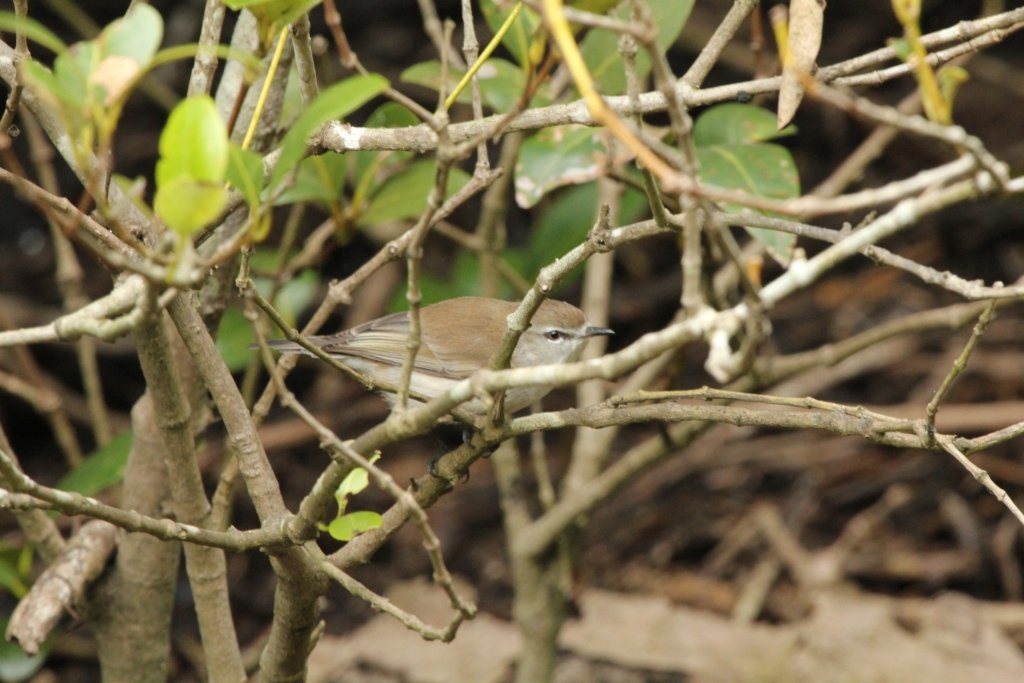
<point>459,336</point>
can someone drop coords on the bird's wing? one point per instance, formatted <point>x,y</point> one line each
<point>384,341</point>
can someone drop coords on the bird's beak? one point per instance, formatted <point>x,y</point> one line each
<point>597,331</point>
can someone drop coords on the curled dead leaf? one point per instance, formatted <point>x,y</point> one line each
<point>806,19</point>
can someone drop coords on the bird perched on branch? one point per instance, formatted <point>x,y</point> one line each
<point>457,337</point>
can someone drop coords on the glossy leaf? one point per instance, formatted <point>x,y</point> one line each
<point>334,102</point>
<point>101,469</point>
<point>601,48</point>
<point>555,157</point>
<point>764,169</point>
<point>404,195</point>
<point>736,124</point>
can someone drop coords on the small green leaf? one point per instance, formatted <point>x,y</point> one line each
<point>737,124</point>
<point>354,482</point>
<point>101,469</point>
<point>555,157</point>
<point>187,206</point>
<point>600,48</point>
<point>405,194</point>
<point>193,144</point>
<point>901,47</point>
<point>136,35</point>
<point>334,102</point>
<point>347,527</point>
<point>194,155</point>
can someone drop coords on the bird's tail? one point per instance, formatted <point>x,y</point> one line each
<point>284,346</point>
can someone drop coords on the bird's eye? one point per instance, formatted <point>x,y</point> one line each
<point>553,335</point>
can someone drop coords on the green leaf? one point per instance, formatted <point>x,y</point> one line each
<point>764,169</point>
<point>555,157</point>
<point>186,206</point>
<point>736,124</point>
<point>347,527</point>
<point>564,222</point>
<point>901,47</point>
<point>11,576</point>
<point>319,178</point>
<point>405,194</point>
<point>234,335</point>
<point>101,469</point>
<point>280,12</point>
<point>366,165</point>
<point>391,115</point>
<point>245,173</point>
<point>462,280</point>
<point>193,144</point>
<point>71,69</point>
<point>194,155</point>
<point>601,48</point>
<point>296,295</point>
<point>520,35</point>
<point>354,482</point>
<point>15,664</point>
<point>502,83</point>
<point>334,102</point>
<point>43,83</point>
<point>136,35</point>
<point>33,30</point>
